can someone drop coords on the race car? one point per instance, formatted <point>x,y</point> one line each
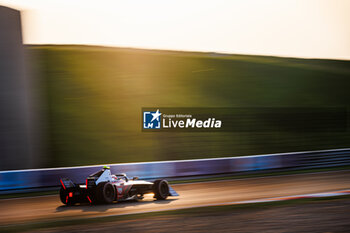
<point>104,187</point>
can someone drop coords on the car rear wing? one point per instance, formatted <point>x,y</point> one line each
<point>67,183</point>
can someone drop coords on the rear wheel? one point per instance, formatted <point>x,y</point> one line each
<point>64,196</point>
<point>160,189</point>
<point>105,193</point>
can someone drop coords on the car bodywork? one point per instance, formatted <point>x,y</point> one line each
<point>105,187</point>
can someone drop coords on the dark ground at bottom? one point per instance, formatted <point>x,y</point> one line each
<point>330,216</point>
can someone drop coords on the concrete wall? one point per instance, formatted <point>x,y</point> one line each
<point>21,180</point>
<point>19,142</point>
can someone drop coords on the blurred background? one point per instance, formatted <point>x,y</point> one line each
<point>75,75</point>
<point>72,90</point>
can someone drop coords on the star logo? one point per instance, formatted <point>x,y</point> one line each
<point>156,115</point>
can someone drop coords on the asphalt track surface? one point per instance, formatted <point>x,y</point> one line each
<point>48,208</point>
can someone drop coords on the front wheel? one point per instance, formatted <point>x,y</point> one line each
<point>161,189</point>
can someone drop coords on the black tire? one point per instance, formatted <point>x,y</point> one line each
<point>105,193</point>
<point>160,189</point>
<point>65,199</point>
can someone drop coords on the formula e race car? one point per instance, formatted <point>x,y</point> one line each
<point>104,187</point>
